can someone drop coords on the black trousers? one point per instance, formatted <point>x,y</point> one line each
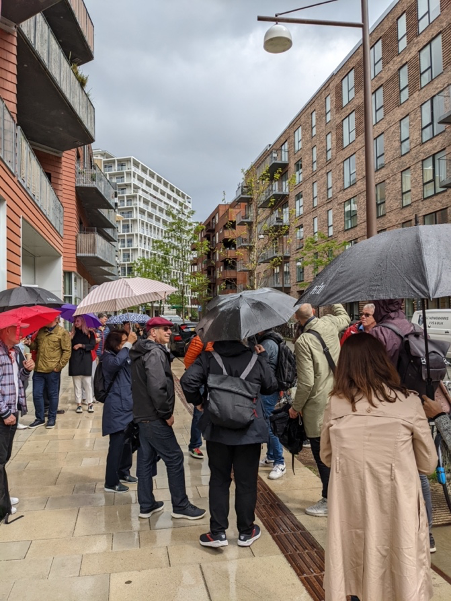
<point>119,459</point>
<point>7,433</point>
<point>323,469</point>
<point>244,460</point>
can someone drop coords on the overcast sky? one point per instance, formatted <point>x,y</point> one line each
<point>186,87</point>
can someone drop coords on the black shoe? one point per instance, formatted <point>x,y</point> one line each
<point>36,423</point>
<point>191,512</point>
<point>60,411</point>
<point>128,479</point>
<point>117,488</point>
<point>158,507</point>
<point>247,540</point>
<point>209,540</point>
<point>432,544</point>
<point>50,424</point>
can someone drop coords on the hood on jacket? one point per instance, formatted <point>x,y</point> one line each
<point>142,346</point>
<point>230,348</point>
<point>388,309</point>
<point>269,334</point>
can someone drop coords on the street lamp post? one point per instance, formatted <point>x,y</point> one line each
<point>278,39</point>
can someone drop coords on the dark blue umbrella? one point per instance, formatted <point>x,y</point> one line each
<point>129,317</point>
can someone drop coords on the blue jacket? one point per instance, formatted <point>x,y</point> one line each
<point>119,405</point>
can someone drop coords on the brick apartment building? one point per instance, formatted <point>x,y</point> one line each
<point>319,157</point>
<point>57,209</point>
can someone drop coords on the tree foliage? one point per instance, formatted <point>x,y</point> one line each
<point>318,251</point>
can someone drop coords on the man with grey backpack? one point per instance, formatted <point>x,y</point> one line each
<point>234,427</point>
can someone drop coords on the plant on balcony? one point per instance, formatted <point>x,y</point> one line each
<point>81,77</point>
<point>318,252</point>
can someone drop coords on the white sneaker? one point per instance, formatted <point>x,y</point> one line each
<point>14,500</point>
<point>277,471</point>
<point>21,426</point>
<point>266,462</point>
<point>318,509</point>
<point>13,510</point>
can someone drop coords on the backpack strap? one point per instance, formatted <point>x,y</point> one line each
<point>325,349</point>
<point>392,327</point>
<point>250,366</point>
<point>219,362</point>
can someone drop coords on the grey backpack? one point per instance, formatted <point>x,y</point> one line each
<point>231,399</point>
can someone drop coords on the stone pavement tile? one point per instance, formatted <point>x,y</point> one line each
<point>70,545</point>
<point>187,552</point>
<point>441,589</point>
<point>14,550</point>
<point>164,520</point>
<point>253,579</point>
<point>124,560</point>
<point>101,443</point>
<point>126,540</point>
<point>53,435</point>
<point>90,462</point>
<point>79,474</point>
<point>41,524</point>
<point>6,585</point>
<point>162,482</point>
<point>38,568</point>
<point>79,500</point>
<point>264,546</point>
<point>170,537</point>
<point>109,519</point>
<point>85,488</point>
<point>174,583</point>
<point>35,447</point>
<point>30,478</point>
<point>73,588</point>
<point>66,566</point>
<point>120,499</point>
<point>297,500</point>
<point>17,466</point>
<point>312,523</point>
<point>28,504</point>
<point>36,490</point>
<point>76,457</point>
<point>320,535</point>
<point>50,459</point>
<point>87,435</point>
<point>68,446</point>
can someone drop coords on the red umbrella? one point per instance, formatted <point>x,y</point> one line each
<point>28,319</point>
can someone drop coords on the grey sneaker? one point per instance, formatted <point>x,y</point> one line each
<point>191,512</point>
<point>319,509</point>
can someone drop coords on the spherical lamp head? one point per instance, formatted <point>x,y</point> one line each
<point>277,39</point>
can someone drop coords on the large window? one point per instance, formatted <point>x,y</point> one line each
<point>376,59</point>
<point>438,217</point>
<point>314,158</point>
<point>329,219</point>
<point>328,109</point>
<point>401,32</point>
<point>299,235</point>
<point>297,139</point>
<point>328,146</point>
<point>314,194</point>
<point>329,184</point>
<point>405,135</point>
<point>300,270</point>
<point>315,226</point>
<point>431,60</point>
<point>348,129</point>
<point>431,169</point>
<point>313,124</point>
<point>380,196</point>
<point>285,151</point>
<point>379,151</point>
<point>431,111</point>
<point>406,187</point>
<point>299,204</point>
<point>403,84</point>
<point>427,11</point>
<point>298,172</point>
<point>350,214</point>
<point>348,87</point>
<point>377,105</point>
<point>349,171</point>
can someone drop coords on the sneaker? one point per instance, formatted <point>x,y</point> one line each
<point>432,544</point>
<point>196,453</point>
<point>277,471</point>
<point>60,411</point>
<point>191,512</point>
<point>14,501</point>
<point>266,462</point>
<point>13,510</point>
<point>79,410</point>
<point>209,540</point>
<point>246,540</point>
<point>318,509</point>
<point>306,443</point>
<point>50,423</point>
<point>21,426</point>
<point>158,507</point>
<point>117,488</point>
<point>90,408</point>
<point>36,423</point>
<point>128,479</point>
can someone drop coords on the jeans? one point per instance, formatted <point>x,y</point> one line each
<point>50,381</point>
<point>119,459</point>
<point>158,439</point>
<point>274,447</point>
<point>7,433</point>
<point>195,432</point>
<point>323,469</point>
<point>427,494</point>
<point>244,460</point>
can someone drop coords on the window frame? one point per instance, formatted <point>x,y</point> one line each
<point>315,226</point>
<point>329,184</point>
<point>427,14</point>
<point>313,124</point>
<point>315,197</point>
<point>347,128</point>
<point>427,50</point>
<point>435,158</point>
<point>437,214</point>
<point>329,221</point>
<point>299,204</point>
<point>379,152</point>
<point>406,192</point>
<point>377,109</point>
<point>350,89</point>
<point>298,172</point>
<point>297,143</point>
<point>314,158</point>
<point>405,145</point>
<point>402,40</point>
<point>329,146</point>
<point>328,108</point>
<point>298,238</point>
<point>434,110</point>
<point>352,220</point>
<point>348,161</point>
<point>380,200</point>
<point>376,59</point>
<point>404,92</point>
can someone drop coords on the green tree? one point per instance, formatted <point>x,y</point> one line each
<point>318,251</point>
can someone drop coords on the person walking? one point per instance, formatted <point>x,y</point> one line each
<point>376,439</point>
<point>153,410</point>
<point>231,449</point>
<point>14,374</point>
<point>366,323</point>
<point>53,347</point>
<point>315,380</point>
<point>80,363</point>
<point>118,409</point>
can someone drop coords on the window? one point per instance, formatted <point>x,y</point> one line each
<point>299,204</point>
<point>314,158</point>
<point>299,234</point>
<point>380,196</point>
<point>125,256</point>
<point>285,151</point>
<point>313,128</point>
<point>298,172</point>
<point>350,243</point>
<point>284,179</point>
<point>300,270</point>
<point>349,171</point>
<point>315,228</point>
<point>403,84</point>
<point>125,228</point>
<point>328,109</point>
<point>431,111</point>
<point>329,216</point>
<point>329,184</point>
<point>350,214</point>
<point>405,135</point>
<point>286,271</point>
<point>314,194</point>
<point>377,105</point>
<point>401,32</point>
<point>348,129</point>
<point>438,217</point>
<point>406,187</point>
<point>427,11</point>
<point>328,146</point>
<point>431,61</point>
<point>407,224</point>
<point>297,139</point>
<point>376,59</point>
<point>431,168</point>
<point>348,87</point>
<point>379,151</point>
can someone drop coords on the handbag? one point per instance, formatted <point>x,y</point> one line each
<point>290,431</point>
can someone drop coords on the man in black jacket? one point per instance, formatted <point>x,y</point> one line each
<point>231,449</point>
<point>153,407</point>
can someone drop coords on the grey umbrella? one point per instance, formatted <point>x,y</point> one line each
<point>28,295</point>
<point>241,315</point>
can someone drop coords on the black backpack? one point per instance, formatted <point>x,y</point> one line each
<point>286,369</point>
<point>100,391</point>
<point>290,431</point>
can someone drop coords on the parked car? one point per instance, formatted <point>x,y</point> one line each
<point>438,328</point>
<point>174,319</point>
<point>181,336</point>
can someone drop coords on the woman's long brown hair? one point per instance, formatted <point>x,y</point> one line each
<point>364,370</point>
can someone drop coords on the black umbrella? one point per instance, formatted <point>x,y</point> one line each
<point>28,295</point>
<point>241,315</point>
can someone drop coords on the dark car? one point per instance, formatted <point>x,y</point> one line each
<point>181,336</point>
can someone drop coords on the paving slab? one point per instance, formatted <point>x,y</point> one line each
<point>92,587</point>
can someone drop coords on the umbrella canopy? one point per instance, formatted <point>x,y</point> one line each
<point>407,262</point>
<point>27,295</point>
<point>130,317</point>
<point>123,293</point>
<point>67,313</point>
<point>29,318</point>
<point>241,315</point>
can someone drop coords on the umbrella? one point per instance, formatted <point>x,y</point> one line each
<point>27,295</point>
<point>30,318</point>
<point>67,313</point>
<point>123,293</point>
<point>130,317</point>
<point>241,315</point>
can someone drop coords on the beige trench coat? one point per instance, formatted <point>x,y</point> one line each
<point>378,540</point>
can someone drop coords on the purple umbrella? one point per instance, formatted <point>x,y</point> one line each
<point>67,313</point>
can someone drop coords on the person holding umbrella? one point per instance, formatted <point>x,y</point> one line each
<point>80,364</point>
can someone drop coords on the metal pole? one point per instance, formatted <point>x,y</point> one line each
<point>309,21</point>
<point>429,383</point>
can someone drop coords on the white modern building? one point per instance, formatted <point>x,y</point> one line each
<point>145,200</point>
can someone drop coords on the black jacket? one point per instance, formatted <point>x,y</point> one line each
<point>235,357</point>
<point>152,381</point>
<point>81,362</point>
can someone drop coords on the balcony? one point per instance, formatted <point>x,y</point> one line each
<point>230,290</point>
<point>110,232</point>
<point>95,253</point>
<point>243,241</point>
<point>228,274</point>
<point>273,253</point>
<point>275,282</point>
<point>228,234</point>
<point>445,117</point>
<point>96,195</point>
<point>272,196</point>
<point>58,114</point>
<point>243,266</point>
<point>274,223</point>
<point>245,217</point>
<point>72,25</point>
<point>18,11</point>
<point>444,171</point>
<point>228,254</point>
<point>210,227</point>
<point>277,159</point>
<point>242,194</point>
<point>228,217</point>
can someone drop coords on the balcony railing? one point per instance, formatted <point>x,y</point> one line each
<point>243,241</point>
<point>242,193</point>
<point>277,159</point>
<point>274,193</point>
<point>243,266</point>
<point>84,20</point>
<point>95,178</point>
<point>274,222</point>
<point>94,250</point>
<point>245,217</point>
<point>224,274</point>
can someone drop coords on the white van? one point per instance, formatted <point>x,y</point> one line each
<point>438,323</point>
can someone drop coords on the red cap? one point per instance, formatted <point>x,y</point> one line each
<point>153,322</point>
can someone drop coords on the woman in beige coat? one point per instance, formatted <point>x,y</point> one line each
<point>376,439</point>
